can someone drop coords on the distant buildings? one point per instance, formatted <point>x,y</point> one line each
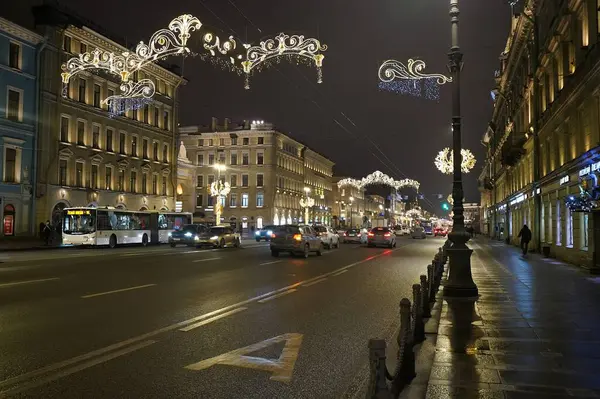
<point>268,171</point>
<point>19,86</point>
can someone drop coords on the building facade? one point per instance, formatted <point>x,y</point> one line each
<point>543,140</point>
<point>348,204</point>
<point>88,156</point>
<point>19,55</point>
<point>268,173</point>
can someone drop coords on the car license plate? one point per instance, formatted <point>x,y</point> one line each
<point>176,239</point>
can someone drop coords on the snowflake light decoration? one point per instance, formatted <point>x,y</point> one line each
<point>307,202</point>
<point>409,79</point>
<point>378,177</point>
<point>219,189</point>
<point>444,161</point>
<point>283,45</point>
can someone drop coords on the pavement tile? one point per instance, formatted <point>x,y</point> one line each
<point>511,333</point>
<point>461,358</point>
<point>531,395</point>
<point>549,379</point>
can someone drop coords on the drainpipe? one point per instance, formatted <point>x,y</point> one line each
<point>32,227</point>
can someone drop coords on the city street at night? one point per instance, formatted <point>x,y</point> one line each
<point>137,322</point>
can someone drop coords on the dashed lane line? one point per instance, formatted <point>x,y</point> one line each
<point>270,263</point>
<point>117,291</point>
<point>278,295</point>
<point>7,285</point>
<point>314,282</point>
<point>208,321</point>
<point>340,272</point>
<point>205,260</point>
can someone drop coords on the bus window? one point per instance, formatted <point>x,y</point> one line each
<point>162,222</point>
<point>103,221</point>
<point>79,222</point>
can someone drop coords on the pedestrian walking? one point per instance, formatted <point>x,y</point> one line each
<point>525,235</point>
<point>47,232</point>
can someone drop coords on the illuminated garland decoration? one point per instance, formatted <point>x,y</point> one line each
<point>424,88</point>
<point>396,77</point>
<point>444,161</point>
<point>307,202</point>
<point>414,213</point>
<point>378,177</point>
<point>295,46</point>
<point>134,95</point>
<point>219,189</point>
<point>163,43</point>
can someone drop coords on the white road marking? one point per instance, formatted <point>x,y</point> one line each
<point>277,295</point>
<point>194,252</point>
<point>56,366</point>
<point>134,254</point>
<point>117,291</point>
<point>314,282</point>
<point>270,263</point>
<point>18,268</point>
<point>75,369</point>
<point>205,260</point>
<point>341,272</point>
<point>28,282</point>
<point>215,318</point>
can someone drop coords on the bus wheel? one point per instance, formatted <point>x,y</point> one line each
<point>145,240</point>
<point>112,242</point>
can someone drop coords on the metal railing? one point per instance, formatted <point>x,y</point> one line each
<point>382,383</point>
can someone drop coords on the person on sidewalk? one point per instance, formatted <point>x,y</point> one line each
<point>47,232</point>
<point>525,235</point>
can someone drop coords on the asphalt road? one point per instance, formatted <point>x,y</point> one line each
<point>184,323</point>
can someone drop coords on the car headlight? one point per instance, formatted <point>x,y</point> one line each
<point>269,233</point>
<point>188,234</point>
<point>170,234</point>
<point>257,233</point>
<point>214,237</point>
<point>196,238</point>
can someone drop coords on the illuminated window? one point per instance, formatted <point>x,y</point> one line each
<point>558,224</point>
<point>244,200</point>
<point>569,227</point>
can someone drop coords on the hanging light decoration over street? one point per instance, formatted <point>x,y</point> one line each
<point>410,80</point>
<point>443,161</point>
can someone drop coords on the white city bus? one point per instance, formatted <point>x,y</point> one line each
<point>110,226</point>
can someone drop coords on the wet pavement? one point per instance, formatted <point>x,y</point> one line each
<point>534,331</point>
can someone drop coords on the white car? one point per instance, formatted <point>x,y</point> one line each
<point>401,231</point>
<point>418,232</point>
<point>329,237</point>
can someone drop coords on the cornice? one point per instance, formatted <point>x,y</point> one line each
<point>20,32</point>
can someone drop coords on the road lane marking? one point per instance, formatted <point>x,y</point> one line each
<point>280,369</point>
<point>5,285</point>
<point>18,268</point>
<point>98,352</point>
<point>205,260</point>
<point>77,368</point>
<point>338,273</point>
<point>278,295</point>
<point>137,254</point>
<point>270,263</point>
<point>215,318</point>
<point>117,291</point>
<point>314,282</point>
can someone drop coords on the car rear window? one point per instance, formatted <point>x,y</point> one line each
<point>380,230</point>
<point>286,229</point>
<point>320,229</point>
<point>352,231</point>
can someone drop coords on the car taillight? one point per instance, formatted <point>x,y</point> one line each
<point>371,235</point>
<point>344,234</point>
<point>273,236</point>
<point>298,237</point>
<point>387,235</point>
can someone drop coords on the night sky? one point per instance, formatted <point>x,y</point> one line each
<point>347,117</point>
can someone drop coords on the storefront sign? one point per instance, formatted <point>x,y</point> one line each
<point>9,227</point>
<point>78,212</point>
<point>518,199</point>
<point>589,169</point>
<point>564,179</point>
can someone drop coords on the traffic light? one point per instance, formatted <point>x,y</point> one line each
<point>445,206</point>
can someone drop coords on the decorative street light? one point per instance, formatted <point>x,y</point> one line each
<point>460,280</point>
<point>219,189</point>
<point>307,202</point>
<point>351,199</point>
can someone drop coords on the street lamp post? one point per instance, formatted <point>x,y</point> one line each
<point>219,190</point>
<point>460,280</point>
<point>351,199</point>
<point>307,202</point>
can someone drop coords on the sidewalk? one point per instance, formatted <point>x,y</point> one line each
<point>534,332</point>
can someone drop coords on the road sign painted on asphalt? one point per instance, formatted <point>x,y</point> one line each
<point>281,369</point>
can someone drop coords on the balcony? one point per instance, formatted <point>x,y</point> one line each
<point>513,151</point>
<point>485,184</point>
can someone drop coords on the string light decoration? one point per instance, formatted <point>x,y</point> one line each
<point>294,47</point>
<point>414,213</point>
<point>306,203</point>
<point>409,79</point>
<point>378,177</point>
<point>444,161</point>
<point>220,190</point>
<point>162,44</point>
<point>135,95</point>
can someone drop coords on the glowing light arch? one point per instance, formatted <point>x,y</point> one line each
<point>378,177</point>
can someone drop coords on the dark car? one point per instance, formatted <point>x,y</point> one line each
<point>187,235</point>
<point>298,240</point>
<point>264,233</point>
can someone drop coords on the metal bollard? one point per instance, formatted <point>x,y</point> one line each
<point>417,313</point>
<point>378,388</point>
<point>430,284</point>
<point>405,367</point>
<point>425,297</point>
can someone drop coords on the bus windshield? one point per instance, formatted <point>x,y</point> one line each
<point>79,222</point>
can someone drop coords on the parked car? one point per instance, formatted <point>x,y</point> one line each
<point>401,231</point>
<point>295,239</point>
<point>186,235</point>
<point>440,231</point>
<point>264,233</point>
<point>381,236</point>
<point>351,236</point>
<point>219,237</point>
<point>418,232</point>
<point>329,237</point>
